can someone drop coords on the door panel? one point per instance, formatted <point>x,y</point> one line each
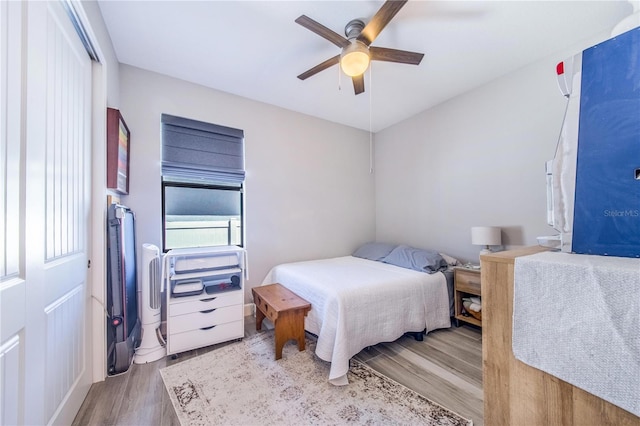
<point>64,347</point>
<point>44,293</point>
<point>10,381</point>
<point>12,283</point>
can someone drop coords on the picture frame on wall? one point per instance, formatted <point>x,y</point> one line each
<point>118,149</point>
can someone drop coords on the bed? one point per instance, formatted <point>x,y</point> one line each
<point>370,297</point>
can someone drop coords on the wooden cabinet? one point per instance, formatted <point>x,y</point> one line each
<point>515,393</point>
<point>466,282</point>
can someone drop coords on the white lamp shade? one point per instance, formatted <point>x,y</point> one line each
<point>354,59</point>
<point>486,236</point>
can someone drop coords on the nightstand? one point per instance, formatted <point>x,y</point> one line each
<point>466,282</point>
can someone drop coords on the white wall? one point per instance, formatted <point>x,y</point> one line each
<point>309,193</point>
<point>477,159</point>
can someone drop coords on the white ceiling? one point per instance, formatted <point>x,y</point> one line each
<point>255,49</point>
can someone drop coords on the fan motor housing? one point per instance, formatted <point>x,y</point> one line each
<point>353,28</point>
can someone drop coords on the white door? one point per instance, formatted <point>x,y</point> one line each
<point>46,111</point>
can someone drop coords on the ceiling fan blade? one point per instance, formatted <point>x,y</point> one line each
<point>320,67</point>
<point>395,55</point>
<point>380,20</point>
<point>358,84</point>
<point>322,31</point>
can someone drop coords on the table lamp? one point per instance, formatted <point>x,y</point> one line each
<point>485,236</point>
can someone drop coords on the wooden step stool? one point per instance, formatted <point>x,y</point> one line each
<point>285,309</point>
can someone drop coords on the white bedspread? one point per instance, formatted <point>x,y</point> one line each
<point>357,303</point>
<point>577,317</point>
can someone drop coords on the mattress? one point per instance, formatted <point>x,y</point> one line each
<point>357,303</point>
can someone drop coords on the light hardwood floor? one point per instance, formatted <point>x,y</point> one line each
<point>446,368</point>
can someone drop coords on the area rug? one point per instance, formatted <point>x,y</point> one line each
<point>242,384</point>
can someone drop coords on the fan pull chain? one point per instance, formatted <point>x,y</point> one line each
<point>370,120</point>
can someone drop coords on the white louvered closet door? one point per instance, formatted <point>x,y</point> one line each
<point>46,116</point>
<point>12,280</point>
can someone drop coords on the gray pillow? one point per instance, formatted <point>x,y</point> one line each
<point>374,251</point>
<point>416,259</point>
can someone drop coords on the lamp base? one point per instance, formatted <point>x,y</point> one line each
<point>485,250</point>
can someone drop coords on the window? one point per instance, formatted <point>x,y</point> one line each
<point>201,215</point>
<point>202,184</point>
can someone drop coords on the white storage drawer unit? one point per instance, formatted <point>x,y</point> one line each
<point>204,319</point>
<point>205,296</point>
<point>204,337</point>
<point>204,302</point>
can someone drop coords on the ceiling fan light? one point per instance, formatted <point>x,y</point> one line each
<point>354,59</point>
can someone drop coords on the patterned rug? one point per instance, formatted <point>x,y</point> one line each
<point>242,384</point>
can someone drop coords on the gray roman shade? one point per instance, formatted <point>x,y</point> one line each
<point>202,152</point>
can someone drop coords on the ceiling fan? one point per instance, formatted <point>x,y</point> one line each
<point>357,51</point>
